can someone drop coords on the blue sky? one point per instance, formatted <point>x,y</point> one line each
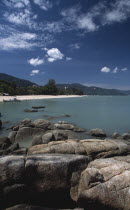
<point>72,41</point>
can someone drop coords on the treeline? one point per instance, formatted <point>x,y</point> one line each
<point>49,89</point>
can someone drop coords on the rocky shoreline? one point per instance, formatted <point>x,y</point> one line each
<point>59,170</point>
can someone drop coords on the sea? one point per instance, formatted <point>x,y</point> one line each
<point>110,113</point>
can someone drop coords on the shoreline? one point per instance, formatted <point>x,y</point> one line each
<point>37,97</point>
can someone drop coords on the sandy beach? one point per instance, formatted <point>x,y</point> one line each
<point>35,97</point>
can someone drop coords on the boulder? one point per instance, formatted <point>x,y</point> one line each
<point>12,136</point>
<point>37,140</point>
<point>40,179</point>
<point>61,135</point>
<point>116,135</point>
<point>105,185</point>
<point>126,136</point>
<point>45,139</point>
<point>64,126</point>
<point>26,123</point>
<point>23,133</point>
<point>4,143</point>
<point>94,148</point>
<point>98,133</point>
<point>44,124</point>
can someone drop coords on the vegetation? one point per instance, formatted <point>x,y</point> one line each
<point>24,87</point>
<point>17,81</point>
<point>49,89</point>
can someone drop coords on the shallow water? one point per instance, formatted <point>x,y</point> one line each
<point>111,113</point>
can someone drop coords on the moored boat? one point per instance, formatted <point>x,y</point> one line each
<point>12,100</point>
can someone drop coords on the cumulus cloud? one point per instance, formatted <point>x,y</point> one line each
<point>34,72</point>
<point>105,70</point>
<point>54,54</point>
<point>35,61</point>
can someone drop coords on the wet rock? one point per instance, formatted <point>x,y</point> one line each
<point>98,132</point>
<point>38,107</point>
<point>30,110</point>
<point>105,185</point>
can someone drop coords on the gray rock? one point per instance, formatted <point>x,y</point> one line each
<point>105,184</point>
<point>23,133</point>
<point>64,126</point>
<point>41,123</point>
<point>37,140</point>
<point>91,147</point>
<point>97,132</point>
<point>12,136</point>
<point>116,135</point>
<point>4,143</point>
<point>126,136</point>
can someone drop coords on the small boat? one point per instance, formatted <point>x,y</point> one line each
<point>12,100</point>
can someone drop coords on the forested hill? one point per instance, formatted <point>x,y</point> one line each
<point>93,90</point>
<point>17,81</point>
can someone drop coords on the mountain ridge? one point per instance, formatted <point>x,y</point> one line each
<point>19,82</point>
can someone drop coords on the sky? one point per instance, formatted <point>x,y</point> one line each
<point>71,41</point>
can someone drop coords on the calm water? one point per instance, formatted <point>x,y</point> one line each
<point>111,113</point>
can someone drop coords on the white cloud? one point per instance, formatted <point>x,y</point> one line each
<point>54,54</point>
<point>124,69</point>
<point>86,22</point>
<point>51,60</point>
<point>68,59</point>
<point>105,70</point>
<point>118,12</point>
<point>18,41</point>
<point>43,4</point>
<point>75,46</point>
<point>34,72</point>
<point>116,70</point>
<point>35,61</point>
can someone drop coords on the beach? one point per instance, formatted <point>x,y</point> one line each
<point>35,97</point>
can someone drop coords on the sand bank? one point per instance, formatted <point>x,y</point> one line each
<point>34,97</point>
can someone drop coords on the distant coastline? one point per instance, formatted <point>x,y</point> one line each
<point>36,97</point>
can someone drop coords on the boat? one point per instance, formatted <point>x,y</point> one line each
<point>12,100</point>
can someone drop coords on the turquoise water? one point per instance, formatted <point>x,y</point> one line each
<point>111,113</point>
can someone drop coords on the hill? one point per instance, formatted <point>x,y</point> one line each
<point>94,90</point>
<point>19,82</point>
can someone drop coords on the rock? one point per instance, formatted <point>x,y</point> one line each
<point>94,148</point>
<point>30,110</point>
<point>23,133</point>
<point>116,135</point>
<point>105,185</point>
<point>12,136</point>
<point>38,107</point>
<point>27,207</point>
<point>64,126</point>
<point>40,179</point>
<point>4,143</point>
<point>126,136</point>
<point>16,128</point>
<point>37,140</point>
<point>26,123</point>
<point>98,132</point>
<point>12,148</point>
<point>20,151</point>
<point>60,135</point>
<point>44,124</point>
<point>48,137</point>
<point>0,124</point>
